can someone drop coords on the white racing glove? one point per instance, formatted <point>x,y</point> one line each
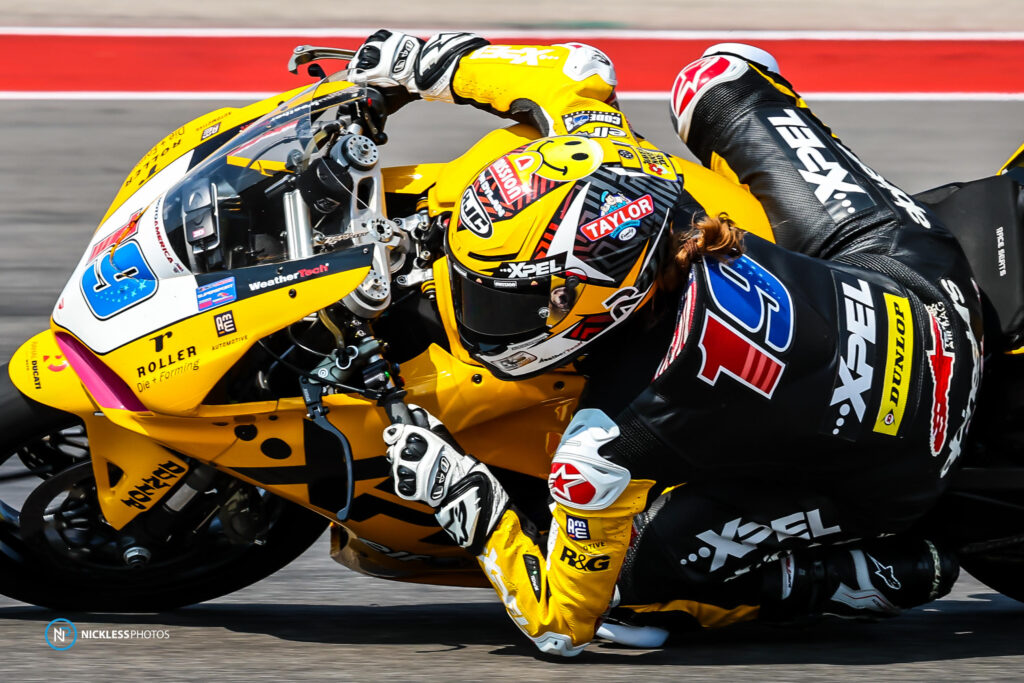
<point>427,466</point>
<point>390,58</point>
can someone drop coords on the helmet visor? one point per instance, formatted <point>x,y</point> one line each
<point>491,315</point>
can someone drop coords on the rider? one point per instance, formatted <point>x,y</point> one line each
<point>806,394</point>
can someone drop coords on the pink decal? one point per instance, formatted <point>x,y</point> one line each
<point>109,390</point>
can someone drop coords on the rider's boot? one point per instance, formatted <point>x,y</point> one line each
<point>869,580</point>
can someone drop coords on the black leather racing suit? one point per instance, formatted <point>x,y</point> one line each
<point>814,391</point>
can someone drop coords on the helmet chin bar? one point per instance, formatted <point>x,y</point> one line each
<point>516,362</point>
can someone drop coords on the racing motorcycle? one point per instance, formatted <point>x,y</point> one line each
<point>247,319</point>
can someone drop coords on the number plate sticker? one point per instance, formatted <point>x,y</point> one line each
<point>118,280</point>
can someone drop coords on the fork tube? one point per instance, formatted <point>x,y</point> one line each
<point>298,228</point>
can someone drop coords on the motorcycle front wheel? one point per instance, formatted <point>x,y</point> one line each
<point>56,550</point>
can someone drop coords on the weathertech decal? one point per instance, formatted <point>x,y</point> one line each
<point>623,213</point>
<point>279,280</point>
<point>899,361</point>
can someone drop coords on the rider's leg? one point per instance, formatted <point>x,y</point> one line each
<point>721,551</point>
<point>741,118</point>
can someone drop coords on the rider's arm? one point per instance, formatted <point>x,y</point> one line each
<point>554,589</point>
<point>559,89</point>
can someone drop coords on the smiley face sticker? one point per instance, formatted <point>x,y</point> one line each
<point>563,158</point>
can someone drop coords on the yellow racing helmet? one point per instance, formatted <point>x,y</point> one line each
<point>554,244</point>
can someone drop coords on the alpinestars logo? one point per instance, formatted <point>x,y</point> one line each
<point>738,538</point>
<point>695,78</point>
<point>855,370</point>
<point>886,574</point>
<point>566,482</point>
<point>817,164</point>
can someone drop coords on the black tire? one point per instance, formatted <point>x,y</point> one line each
<point>1002,572</point>
<point>32,574</point>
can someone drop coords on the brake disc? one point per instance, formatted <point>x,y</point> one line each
<point>55,452</point>
<point>64,514</point>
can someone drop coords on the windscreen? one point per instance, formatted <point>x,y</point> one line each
<point>229,211</point>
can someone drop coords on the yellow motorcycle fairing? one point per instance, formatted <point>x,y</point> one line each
<point>514,426</point>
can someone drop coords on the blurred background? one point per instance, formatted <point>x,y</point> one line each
<point>917,15</point>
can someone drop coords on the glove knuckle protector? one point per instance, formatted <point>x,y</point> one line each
<point>386,59</point>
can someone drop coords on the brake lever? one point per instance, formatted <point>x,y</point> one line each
<point>316,411</point>
<point>304,54</point>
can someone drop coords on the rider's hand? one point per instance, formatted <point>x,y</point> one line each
<point>428,467</point>
<point>424,458</point>
<point>425,69</point>
<point>386,59</point>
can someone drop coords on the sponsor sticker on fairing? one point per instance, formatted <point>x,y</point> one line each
<point>225,323</point>
<point>216,293</point>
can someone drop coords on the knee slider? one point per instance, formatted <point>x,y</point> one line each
<point>581,478</point>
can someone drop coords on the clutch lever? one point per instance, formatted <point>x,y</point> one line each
<point>304,54</point>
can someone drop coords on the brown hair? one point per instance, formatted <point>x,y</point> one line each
<point>715,236</point>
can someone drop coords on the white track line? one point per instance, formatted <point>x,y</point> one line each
<point>512,31</point>
<point>639,95</point>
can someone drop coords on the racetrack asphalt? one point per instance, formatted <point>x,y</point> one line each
<point>60,165</point>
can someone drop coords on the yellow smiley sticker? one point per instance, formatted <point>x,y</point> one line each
<point>563,158</point>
